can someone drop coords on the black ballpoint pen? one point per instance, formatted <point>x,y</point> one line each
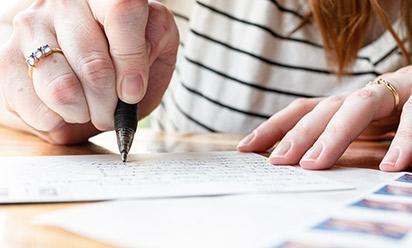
<point>125,124</point>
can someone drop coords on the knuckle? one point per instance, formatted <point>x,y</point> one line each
<point>164,11</point>
<point>363,94</point>
<point>267,126</point>
<point>96,70</point>
<point>334,99</point>
<point>64,89</point>
<point>345,133</point>
<point>162,15</point>
<point>300,131</point>
<point>26,18</point>
<point>162,25</point>
<point>127,4</point>
<point>138,54</point>
<point>49,120</point>
<point>302,103</point>
<point>127,11</point>
<point>103,125</point>
<point>330,101</point>
<point>104,121</point>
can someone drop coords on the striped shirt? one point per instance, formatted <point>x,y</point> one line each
<point>237,64</point>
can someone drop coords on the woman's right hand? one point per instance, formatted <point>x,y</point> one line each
<point>112,49</point>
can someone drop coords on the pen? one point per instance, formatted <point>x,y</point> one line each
<point>125,124</point>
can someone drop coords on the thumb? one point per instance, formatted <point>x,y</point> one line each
<point>124,22</point>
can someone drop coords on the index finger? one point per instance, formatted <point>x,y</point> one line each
<point>273,129</point>
<point>357,112</point>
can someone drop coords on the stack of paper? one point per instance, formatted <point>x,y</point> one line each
<point>258,220</point>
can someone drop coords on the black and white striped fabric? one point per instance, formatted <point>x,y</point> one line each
<point>237,65</point>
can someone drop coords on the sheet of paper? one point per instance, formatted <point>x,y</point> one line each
<point>258,220</point>
<point>103,177</point>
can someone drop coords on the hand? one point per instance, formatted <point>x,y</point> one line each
<point>316,132</point>
<point>112,49</point>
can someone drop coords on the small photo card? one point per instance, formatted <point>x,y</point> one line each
<point>296,244</point>
<point>394,191</point>
<point>379,229</point>
<point>406,178</point>
<point>384,205</point>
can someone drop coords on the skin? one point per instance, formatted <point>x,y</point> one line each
<point>112,49</point>
<point>314,133</point>
<point>73,97</point>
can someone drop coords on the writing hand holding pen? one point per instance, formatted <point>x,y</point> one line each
<point>110,50</point>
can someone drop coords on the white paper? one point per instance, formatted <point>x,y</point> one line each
<point>103,177</point>
<point>260,220</point>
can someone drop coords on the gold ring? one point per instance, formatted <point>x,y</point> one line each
<point>40,53</point>
<point>390,86</point>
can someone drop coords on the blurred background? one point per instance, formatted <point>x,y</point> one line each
<point>4,4</point>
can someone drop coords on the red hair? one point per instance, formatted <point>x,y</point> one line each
<point>344,24</point>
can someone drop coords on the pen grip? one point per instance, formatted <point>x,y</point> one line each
<point>126,116</point>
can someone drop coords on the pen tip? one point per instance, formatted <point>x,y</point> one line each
<point>124,156</point>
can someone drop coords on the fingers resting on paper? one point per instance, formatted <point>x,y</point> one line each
<point>315,133</point>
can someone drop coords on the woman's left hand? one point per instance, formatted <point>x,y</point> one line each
<point>316,132</point>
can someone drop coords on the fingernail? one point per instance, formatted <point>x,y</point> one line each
<point>313,152</point>
<point>391,157</point>
<point>246,140</point>
<point>132,88</point>
<point>281,149</point>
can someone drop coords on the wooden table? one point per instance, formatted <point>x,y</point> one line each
<point>17,231</point>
